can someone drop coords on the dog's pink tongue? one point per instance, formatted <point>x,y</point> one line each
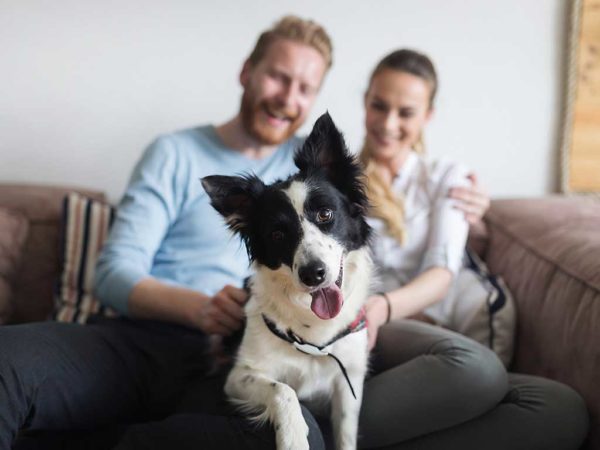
<point>327,302</point>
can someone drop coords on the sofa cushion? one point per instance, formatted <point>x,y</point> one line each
<point>86,223</point>
<point>480,306</point>
<point>13,232</point>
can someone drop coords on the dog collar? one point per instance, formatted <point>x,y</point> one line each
<point>319,350</point>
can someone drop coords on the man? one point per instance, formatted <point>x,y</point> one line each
<point>170,261</point>
<point>281,79</point>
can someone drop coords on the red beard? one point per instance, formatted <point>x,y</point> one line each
<point>259,129</point>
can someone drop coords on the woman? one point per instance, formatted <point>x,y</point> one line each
<point>432,388</point>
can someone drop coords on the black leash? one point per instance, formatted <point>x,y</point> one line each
<point>317,350</point>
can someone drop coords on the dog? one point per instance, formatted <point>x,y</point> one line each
<point>307,240</point>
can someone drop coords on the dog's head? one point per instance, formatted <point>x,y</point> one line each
<point>301,229</point>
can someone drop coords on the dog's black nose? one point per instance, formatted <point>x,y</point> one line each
<point>313,273</point>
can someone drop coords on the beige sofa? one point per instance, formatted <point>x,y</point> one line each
<point>547,250</point>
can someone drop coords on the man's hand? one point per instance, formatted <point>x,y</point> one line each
<point>473,201</point>
<point>376,309</point>
<point>222,313</point>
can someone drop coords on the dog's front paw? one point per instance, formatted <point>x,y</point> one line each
<point>348,445</point>
<point>292,435</point>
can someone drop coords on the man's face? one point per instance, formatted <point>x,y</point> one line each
<point>280,90</point>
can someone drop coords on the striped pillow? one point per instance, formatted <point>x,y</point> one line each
<point>85,227</point>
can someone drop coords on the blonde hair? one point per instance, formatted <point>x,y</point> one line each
<point>295,29</point>
<point>385,204</point>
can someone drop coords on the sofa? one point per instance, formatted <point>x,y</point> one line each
<point>546,249</point>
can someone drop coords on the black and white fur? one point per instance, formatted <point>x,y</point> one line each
<point>302,234</point>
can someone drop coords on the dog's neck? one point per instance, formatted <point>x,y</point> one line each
<point>317,350</point>
<point>274,296</point>
<point>288,335</point>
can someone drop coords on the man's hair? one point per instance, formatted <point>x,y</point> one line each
<point>298,30</point>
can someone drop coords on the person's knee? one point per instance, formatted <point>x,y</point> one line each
<point>479,372</point>
<point>570,415</point>
<point>23,351</point>
<point>14,352</point>
<point>555,411</point>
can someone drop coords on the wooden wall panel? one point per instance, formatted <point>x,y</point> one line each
<point>584,151</point>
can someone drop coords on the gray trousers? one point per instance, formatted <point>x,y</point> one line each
<point>429,389</point>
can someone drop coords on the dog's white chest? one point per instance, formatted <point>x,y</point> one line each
<point>312,377</point>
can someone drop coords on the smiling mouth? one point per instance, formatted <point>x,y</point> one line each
<point>386,139</point>
<point>278,117</point>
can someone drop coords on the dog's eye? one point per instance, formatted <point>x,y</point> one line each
<point>324,215</point>
<point>277,235</point>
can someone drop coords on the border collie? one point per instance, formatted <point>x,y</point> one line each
<point>305,337</point>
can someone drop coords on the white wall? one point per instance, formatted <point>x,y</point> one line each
<point>85,85</point>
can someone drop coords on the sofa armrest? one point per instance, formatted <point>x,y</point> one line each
<point>32,297</point>
<point>548,252</point>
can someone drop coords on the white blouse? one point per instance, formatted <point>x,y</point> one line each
<point>436,230</point>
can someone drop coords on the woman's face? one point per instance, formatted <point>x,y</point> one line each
<point>397,106</point>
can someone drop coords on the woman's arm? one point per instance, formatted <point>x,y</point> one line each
<point>422,291</point>
<point>442,256</point>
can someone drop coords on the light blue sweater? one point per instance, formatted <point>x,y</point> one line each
<point>165,226</point>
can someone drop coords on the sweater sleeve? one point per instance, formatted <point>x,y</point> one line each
<point>449,228</point>
<point>143,217</point>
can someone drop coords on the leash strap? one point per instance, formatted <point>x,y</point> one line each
<point>315,350</point>
<point>343,369</point>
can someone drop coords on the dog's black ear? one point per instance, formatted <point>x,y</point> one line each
<point>233,197</point>
<point>325,151</point>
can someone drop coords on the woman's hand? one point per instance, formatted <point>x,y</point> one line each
<point>473,201</point>
<point>377,311</point>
